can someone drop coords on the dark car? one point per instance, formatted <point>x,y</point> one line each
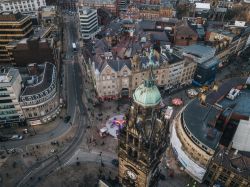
<point>66,119</point>
<point>115,162</point>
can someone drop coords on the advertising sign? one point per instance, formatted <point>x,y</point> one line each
<point>194,169</point>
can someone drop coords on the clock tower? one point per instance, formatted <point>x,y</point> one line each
<point>143,140</point>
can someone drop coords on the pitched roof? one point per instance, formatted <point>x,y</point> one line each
<point>117,65</point>
<point>185,29</point>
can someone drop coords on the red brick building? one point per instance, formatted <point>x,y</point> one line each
<point>32,50</point>
<point>184,35</point>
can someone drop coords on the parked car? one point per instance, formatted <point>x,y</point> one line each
<point>16,137</point>
<point>66,119</point>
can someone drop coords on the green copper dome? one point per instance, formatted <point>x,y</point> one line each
<point>147,94</point>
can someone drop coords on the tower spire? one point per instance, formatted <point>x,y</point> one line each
<point>150,82</point>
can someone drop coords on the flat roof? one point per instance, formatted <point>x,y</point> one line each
<point>200,50</point>
<point>197,117</point>
<point>224,89</point>
<point>242,103</point>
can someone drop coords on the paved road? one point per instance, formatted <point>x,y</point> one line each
<point>74,85</point>
<point>71,82</point>
<point>93,156</point>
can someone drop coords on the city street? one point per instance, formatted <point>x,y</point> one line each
<point>71,73</point>
<point>75,107</point>
<point>86,145</point>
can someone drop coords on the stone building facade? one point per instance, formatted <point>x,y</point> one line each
<point>222,171</point>
<point>142,141</point>
<point>40,101</point>
<point>116,78</point>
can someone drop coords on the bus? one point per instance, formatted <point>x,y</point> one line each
<point>74,47</point>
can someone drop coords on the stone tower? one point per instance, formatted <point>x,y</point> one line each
<point>142,141</point>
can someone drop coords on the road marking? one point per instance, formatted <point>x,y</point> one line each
<point>70,160</point>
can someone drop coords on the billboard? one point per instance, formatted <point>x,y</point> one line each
<point>190,166</point>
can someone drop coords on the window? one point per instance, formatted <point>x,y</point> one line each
<point>234,184</point>
<point>130,138</point>
<point>136,142</point>
<point>125,73</point>
<point>222,178</point>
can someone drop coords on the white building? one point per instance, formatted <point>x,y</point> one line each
<point>10,88</point>
<point>88,22</point>
<point>21,5</point>
<point>40,99</point>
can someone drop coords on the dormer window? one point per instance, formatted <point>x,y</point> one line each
<point>125,73</point>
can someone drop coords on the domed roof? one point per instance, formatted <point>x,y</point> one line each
<point>147,94</point>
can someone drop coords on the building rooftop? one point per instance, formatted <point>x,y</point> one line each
<point>238,163</point>
<point>116,65</point>
<point>184,29</point>
<point>199,118</point>
<point>241,137</point>
<point>214,97</point>
<point>242,103</point>
<point>44,81</point>
<point>10,16</point>
<point>201,52</point>
<point>8,76</point>
<point>85,10</point>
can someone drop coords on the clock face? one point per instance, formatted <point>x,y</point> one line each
<point>131,174</point>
